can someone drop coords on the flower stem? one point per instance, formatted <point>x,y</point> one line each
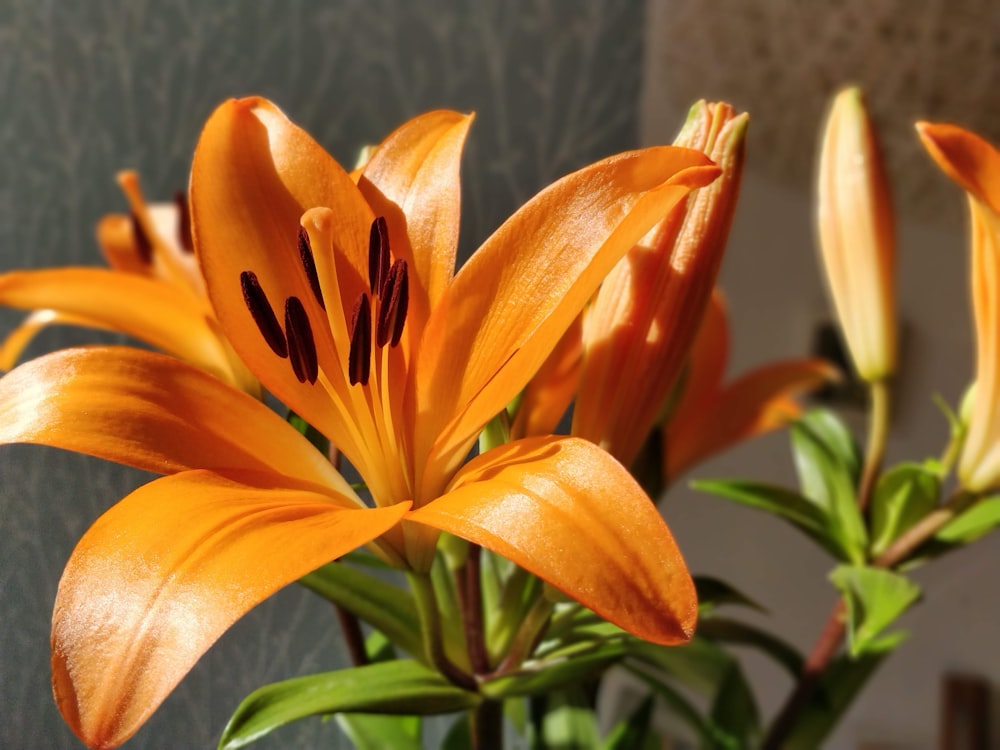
<point>487,726</point>
<point>878,434</point>
<point>430,624</point>
<point>471,598</point>
<point>527,636</point>
<point>353,637</point>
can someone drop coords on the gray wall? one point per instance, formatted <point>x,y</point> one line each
<point>91,87</point>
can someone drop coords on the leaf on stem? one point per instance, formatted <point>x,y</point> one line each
<point>875,599</point>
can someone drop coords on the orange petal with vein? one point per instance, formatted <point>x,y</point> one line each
<point>108,401</point>
<point>565,510</point>
<point>511,302</point>
<point>160,576</point>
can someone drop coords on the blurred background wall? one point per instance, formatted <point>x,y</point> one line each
<point>92,87</point>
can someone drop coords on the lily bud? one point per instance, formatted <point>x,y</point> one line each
<point>642,322</point>
<point>857,236</point>
<point>975,165</point>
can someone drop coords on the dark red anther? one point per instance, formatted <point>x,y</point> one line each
<point>378,256</point>
<point>183,221</point>
<point>359,361</point>
<point>143,245</point>
<point>392,307</point>
<point>263,315</point>
<point>309,264</point>
<point>301,345</point>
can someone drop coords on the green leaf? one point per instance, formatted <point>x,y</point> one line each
<point>709,736</point>
<point>634,732</point>
<point>459,735</point>
<point>733,631</point>
<point>700,665</point>
<point>840,685</point>
<point>875,599</point>
<point>792,507</point>
<point>314,436</point>
<point>565,721</point>
<point>734,709</point>
<point>378,731</point>
<point>555,672</point>
<point>714,592</point>
<point>827,465</point>
<point>975,522</point>
<point>904,494</point>
<point>381,604</point>
<point>395,687</point>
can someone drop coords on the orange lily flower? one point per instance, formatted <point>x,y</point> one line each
<point>710,417</point>
<point>857,236</point>
<point>341,298</point>
<point>974,164</point>
<point>638,330</point>
<point>152,291</point>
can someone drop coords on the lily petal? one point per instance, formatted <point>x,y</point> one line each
<point>254,175</point>
<point>966,158</point>
<point>760,401</point>
<point>975,165</point>
<point>547,397</point>
<point>108,401</point>
<point>413,180</point>
<point>160,576</point>
<point>157,313</point>
<point>18,340</point>
<point>511,302</point>
<point>565,510</point>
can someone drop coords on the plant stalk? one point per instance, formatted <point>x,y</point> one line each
<point>430,624</point>
<point>487,726</point>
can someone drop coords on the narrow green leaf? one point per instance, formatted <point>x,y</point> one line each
<point>554,673</point>
<point>395,687</point>
<point>708,736</point>
<point>840,685</point>
<point>634,732</point>
<point>904,494</point>
<point>733,631</point>
<point>700,665</point>
<point>714,592</point>
<point>875,599</point>
<point>734,709</point>
<point>379,731</point>
<point>828,474</point>
<point>459,735</point>
<point>975,522</point>
<point>804,514</point>
<point>381,604</point>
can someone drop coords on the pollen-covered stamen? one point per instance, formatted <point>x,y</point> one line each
<point>301,345</point>
<point>359,361</point>
<point>392,307</point>
<point>262,313</point>
<point>309,264</point>
<point>143,245</point>
<point>183,221</point>
<point>378,256</point>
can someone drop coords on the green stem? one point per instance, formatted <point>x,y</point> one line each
<point>878,435</point>
<point>833,633</point>
<point>472,610</point>
<point>527,636</point>
<point>430,624</point>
